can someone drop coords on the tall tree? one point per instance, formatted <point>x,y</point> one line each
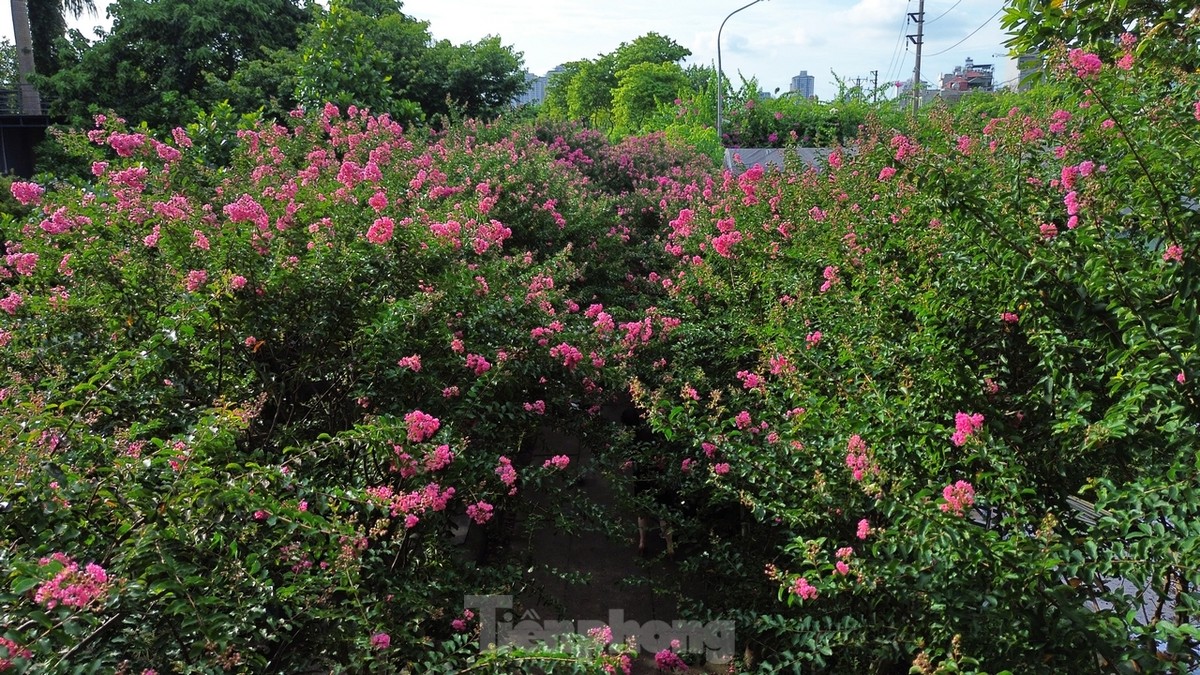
<point>388,61</point>
<point>48,24</point>
<point>161,58</point>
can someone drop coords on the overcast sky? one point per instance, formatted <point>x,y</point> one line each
<point>771,40</point>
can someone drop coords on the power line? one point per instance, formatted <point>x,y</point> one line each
<point>945,12</point>
<point>899,40</point>
<point>969,36</point>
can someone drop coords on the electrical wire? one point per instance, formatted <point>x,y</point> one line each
<point>899,41</point>
<point>956,4</point>
<point>969,36</point>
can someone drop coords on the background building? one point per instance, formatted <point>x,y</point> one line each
<point>537,88</point>
<point>969,77</point>
<point>803,84</point>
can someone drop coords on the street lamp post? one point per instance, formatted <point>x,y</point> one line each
<point>720,74</point>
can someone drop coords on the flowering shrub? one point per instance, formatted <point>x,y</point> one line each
<point>245,403</point>
<point>989,326</point>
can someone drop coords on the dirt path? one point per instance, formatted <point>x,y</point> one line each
<point>606,579</point>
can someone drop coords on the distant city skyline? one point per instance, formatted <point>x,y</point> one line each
<point>773,40</point>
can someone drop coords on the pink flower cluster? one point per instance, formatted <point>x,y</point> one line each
<point>460,624</point>
<point>812,339</point>
<point>381,641</point>
<point>742,420</point>
<point>11,302</point>
<point>507,474</point>
<point>421,425</point>
<point>195,280</point>
<point>723,244</point>
<point>857,458</point>
<point>804,590</point>
<point>72,586</point>
<point>571,356</point>
<point>842,566</point>
<point>668,661</point>
<point>27,193</point>
<point>959,497</point>
<point>381,231</point>
<point>965,426</point>
<point>480,512</point>
<point>557,462</point>
<point>23,263</point>
<point>602,634</point>
<point>478,364</point>
<point>831,278</point>
<point>750,380</point>
<point>538,407</point>
<point>412,362</point>
<point>1174,253</point>
<point>864,529</point>
<point>439,459</point>
<point>12,651</point>
<point>1086,64</point>
<point>905,147</point>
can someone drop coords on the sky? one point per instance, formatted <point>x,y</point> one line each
<point>771,40</point>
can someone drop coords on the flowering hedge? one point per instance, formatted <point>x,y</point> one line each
<point>248,403</point>
<point>949,379</point>
<point>931,407</point>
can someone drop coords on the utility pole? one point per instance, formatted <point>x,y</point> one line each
<point>918,40</point>
<point>30,102</point>
<point>875,86</point>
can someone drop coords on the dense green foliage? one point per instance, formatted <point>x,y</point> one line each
<point>165,61</point>
<point>928,407</point>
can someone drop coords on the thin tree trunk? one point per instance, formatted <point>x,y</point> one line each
<point>31,102</point>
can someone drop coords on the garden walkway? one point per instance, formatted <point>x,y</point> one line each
<point>605,574</point>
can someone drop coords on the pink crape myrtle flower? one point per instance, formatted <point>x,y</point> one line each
<point>1086,64</point>
<point>965,426</point>
<point>557,462</point>
<point>857,458</point>
<point>27,193</point>
<point>381,231</point>
<point>478,364</point>
<point>13,651</point>
<point>196,280</point>
<point>480,512</point>
<point>864,529</point>
<point>804,590</point>
<point>669,662</point>
<point>421,426</point>
<point>11,302</point>
<point>412,362</point>
<point>959,497</point>
<point>72,586</point>
<point>381,641</point>
<point>831,278</point>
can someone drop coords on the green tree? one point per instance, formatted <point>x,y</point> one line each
<point>48,24</point>
<point>343,61</point>
<point>387,61</point>
<point>161,59</point>
<point>641,89</point>
<point>649,48</point>
<point>555,105</point>
<point>589,94</point>
<point>586,89</point>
